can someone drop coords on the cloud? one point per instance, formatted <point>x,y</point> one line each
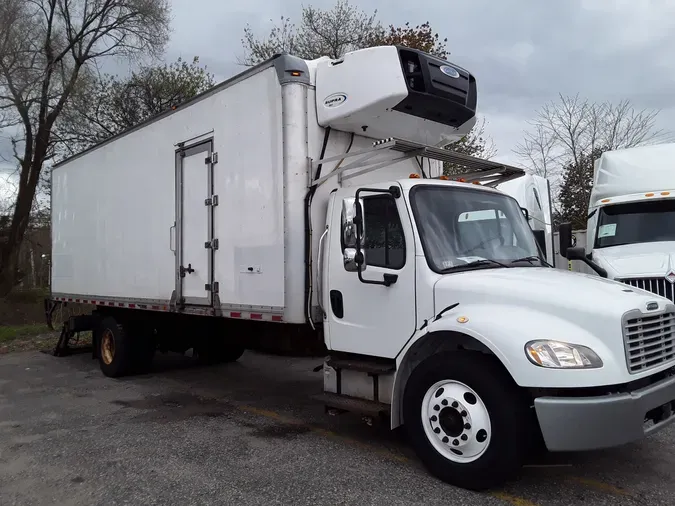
<point>523,52</point>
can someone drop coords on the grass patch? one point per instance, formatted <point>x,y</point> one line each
<point>12,332</point>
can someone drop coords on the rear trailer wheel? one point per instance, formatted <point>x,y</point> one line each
<point>466,419</point>
<point>115,354</point>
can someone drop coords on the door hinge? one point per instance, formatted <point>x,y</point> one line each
<point>213,288</point>
<point>212,158</point>
<point>213,244</point>
<point>211,201</point>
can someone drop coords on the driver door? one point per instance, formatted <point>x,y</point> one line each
<point>363,315</point>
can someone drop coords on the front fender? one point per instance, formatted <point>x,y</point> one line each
<point>505,329</point>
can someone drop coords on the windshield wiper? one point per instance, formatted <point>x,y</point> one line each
<point>475,263</point>
<point>531,259</point>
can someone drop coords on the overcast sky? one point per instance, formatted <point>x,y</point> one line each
<point>522,52</point>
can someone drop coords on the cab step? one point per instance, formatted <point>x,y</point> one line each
<point>368,365</point>
<point>353,404</point>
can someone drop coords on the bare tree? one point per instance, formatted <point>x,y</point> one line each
<point>331,33</point>
<point>46,46</point>
<point>108,105</point>
<point>566,132</point>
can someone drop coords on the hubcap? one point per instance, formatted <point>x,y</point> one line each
<point>456,421</point>
<point>107,347</point>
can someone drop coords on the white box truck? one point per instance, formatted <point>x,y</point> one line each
<point>309,195</point>
<point>630,233</point>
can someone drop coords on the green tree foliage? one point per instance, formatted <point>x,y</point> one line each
<point>575,190</point>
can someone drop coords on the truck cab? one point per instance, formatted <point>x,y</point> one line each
<point>630,236</point>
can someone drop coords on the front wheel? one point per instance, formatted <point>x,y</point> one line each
<point>466,419</point>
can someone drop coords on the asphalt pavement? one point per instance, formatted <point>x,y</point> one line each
<point>248,433</point>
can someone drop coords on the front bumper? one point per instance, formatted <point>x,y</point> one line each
<point>592,423</point>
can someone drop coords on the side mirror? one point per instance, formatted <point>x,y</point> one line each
<point>579,253</point>
<point>353,228</point>
<point>349,224</point>
<point>352,257</point>
<point>576,253</point>
<point>540,237</point>
<point>526,213</point>
<point>565,239</point>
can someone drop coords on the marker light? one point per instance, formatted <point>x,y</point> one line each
<point>665,193</point>
<point>604,201</point>
<point>649,194</point>
<point>414,176</point>
<point>444,178</point>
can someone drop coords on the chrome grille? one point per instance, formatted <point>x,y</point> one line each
<point>649,340</point>
<point>658,286</point>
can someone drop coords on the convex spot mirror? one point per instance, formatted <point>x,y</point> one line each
<point>352,228</point>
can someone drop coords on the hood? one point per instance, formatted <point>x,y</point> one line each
<point>637,260</point>
<point>552,291</point>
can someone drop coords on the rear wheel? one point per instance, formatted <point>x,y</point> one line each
<point>115,354</point>
<point>466,419</point>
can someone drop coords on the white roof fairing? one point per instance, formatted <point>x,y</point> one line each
<point>634,170</point>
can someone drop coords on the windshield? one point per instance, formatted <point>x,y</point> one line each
<point>636,222</point>
<point>461,226</point>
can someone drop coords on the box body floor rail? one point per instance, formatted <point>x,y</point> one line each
<point>323,200</point>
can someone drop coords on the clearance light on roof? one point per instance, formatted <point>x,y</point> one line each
<point>444,178</point>
<point>665,193</point>
<point>414,176</point>
<point>461,180</point>
<point>649,194</point>
<point>604,201</point>
<point>475,182</point>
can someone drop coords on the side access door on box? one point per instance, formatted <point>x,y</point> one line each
<point>194,224</point>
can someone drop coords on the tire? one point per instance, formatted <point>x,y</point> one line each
<point>115,353</point>
<point>481,414</point>
<point>218,351</point>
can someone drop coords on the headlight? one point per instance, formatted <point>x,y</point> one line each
<point>558,355</point>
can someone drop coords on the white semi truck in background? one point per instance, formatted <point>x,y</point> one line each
<point>630,236</point>
<point>308,196</point>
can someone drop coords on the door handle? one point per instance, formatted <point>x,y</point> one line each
<point>187,269</point>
